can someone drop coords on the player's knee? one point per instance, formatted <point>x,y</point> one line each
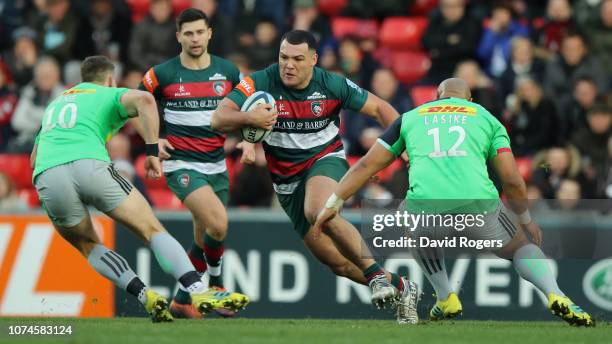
<point>216,227</point>
<point>311,216</point>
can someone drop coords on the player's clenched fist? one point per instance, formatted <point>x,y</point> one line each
<point>152,167</point>
<point>263,116</point>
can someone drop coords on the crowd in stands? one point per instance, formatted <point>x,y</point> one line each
<point>542,67</point>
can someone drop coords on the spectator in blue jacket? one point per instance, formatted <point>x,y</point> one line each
<point>495,46</point>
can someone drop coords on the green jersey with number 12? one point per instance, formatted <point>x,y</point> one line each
<point>77,125</point>
<point>448,142</point>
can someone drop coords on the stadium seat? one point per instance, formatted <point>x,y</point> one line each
<point>364,28</point>
<point>423,7</point>
<point>386,174</point>
<point>402,33</point>
<point>30,196</point>
<point>525,167</point>
<point>151,184</point>
<point>165,199</point>
<point>139,8</point>
<point>409,66</point>
<point>17,167</point>
<point>179,6</point>
<point>331,8</point>
<point>423,94</point>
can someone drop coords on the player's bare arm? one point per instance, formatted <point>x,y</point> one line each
<point>516,192</point>
<point>379,109</point>
<point>377,158</point>
<point>142,104</point>
<point>164,145</point>
<point>228,117</point>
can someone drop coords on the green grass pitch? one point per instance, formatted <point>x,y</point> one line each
<point>268,331</point>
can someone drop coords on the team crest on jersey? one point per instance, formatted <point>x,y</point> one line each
<point>317,108</point>
<point>219,87</point>
<point>183,180</point>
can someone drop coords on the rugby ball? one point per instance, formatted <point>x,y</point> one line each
<point>252,134</point>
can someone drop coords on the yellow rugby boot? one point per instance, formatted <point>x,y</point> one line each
<point>157,307</point>
<point>446,309</point>
<point>564,308</point>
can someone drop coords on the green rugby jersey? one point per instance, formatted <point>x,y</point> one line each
<point>308,122</point>
<point>448,142</point>
<point>77,125</point>
<point>188,98</point>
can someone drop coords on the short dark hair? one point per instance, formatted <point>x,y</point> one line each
<point>574,33</point>
<point>601,106</point>
<point>504,5</point>
<point>94,68</point>
<point>190,15</point>
<point>300,36</point>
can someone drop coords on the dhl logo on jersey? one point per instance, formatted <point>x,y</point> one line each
<point>446,109</point>
<point>77,91</point>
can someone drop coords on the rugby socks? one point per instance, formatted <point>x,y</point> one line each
<point>111,265</point>
<point>374,273</point>
<point>432,264</point>
<point>137,288</point>
<point>396,281</point>
<point>196,255</point>
<point>173,260</point>
<point>530,263</point>
<point>213,251</point>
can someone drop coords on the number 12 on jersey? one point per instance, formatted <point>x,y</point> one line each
<point>454,150</point>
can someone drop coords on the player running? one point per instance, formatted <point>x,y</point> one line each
<point>188,87</point>
<point>472,136</point>
<point>305,154</point>
<point>72,169</point>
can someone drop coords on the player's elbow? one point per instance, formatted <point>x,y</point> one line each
<point>217,122</point>
<point>146,99</point>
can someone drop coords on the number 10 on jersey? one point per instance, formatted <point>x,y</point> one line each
<point>69,109</point>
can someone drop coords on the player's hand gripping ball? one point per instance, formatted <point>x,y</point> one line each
<point>262,108</point>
